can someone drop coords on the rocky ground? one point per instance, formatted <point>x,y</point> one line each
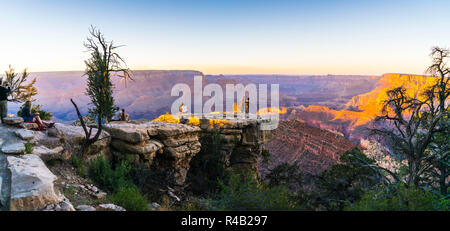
<point>35,173</point>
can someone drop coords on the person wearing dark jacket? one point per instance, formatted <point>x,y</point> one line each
<point>4,91</point>
<point>30,117</point>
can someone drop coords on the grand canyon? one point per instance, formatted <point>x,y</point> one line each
<point>325,115</point>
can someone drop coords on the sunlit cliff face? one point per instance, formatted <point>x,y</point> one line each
<point>364,108</point>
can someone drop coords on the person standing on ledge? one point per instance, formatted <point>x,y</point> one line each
<point>4,91</point>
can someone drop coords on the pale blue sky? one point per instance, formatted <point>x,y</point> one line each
<point>295,37</point>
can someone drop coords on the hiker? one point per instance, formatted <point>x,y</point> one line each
<point>247,105</point>
<point>29,117</point>
<point>183,108</point>
<point>116,116</point>
<point>124,116</point>
<point>4,91</point>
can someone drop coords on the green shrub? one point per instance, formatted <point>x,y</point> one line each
<point>399,198</point>
<point>131,199</point>
<point>285,174</point>
<point>246,193</point>
<point>101,171</point>
<point>79,165</point>
<point>28,148</point>
<point>345,182</point>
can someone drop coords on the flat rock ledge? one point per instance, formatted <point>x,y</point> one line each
<point>24,134</point>
<point>14,121</point>
<point>13,149</point>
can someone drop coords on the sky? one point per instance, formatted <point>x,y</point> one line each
<point>229,36</point>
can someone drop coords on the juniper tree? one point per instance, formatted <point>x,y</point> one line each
<point>103,64</point>
<point>416,122</point>
<point>21,91</point>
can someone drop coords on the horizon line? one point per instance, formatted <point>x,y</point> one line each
<point>240,74</point>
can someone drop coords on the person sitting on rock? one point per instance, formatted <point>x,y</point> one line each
<point>116,116</point>
<point>124,116</point>
<point>29,117</point>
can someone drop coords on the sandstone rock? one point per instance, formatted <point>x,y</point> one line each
<point>136,132</point>
<point>52,132</point>
<point>14,148</point>
<point>85,208</point>
<point>24,134</point>
<point>31,183</point>
<point>47,154</point>
<point>13,120</point>
<point>65,205</point>
<point>148,146</point>
<point>130,133</point>
<point>154,206</point>
<point>74,135</point>
<point>100,195</point>
<point>30,126</point>
<point>109,207</point>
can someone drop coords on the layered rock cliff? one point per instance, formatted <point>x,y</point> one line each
<point>314,149</point>
<point>164,147</point>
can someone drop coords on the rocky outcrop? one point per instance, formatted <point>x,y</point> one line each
<point>228,146</point>
<point>72,138</point>
<point>164,147</point>
<point>241,141</point>
<point>31,183</point>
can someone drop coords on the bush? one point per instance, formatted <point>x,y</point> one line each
<point>345,182</point>
<point>399,199</point>
<point>118,181</point>
<point>79,165</point>
<point>28,148</point>
<point>101,171</point>
<point>131,199</point>
<point>286,174</point>
<point>246,193</point>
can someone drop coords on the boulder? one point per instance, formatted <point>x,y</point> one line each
<point>24,134</point>
<point>144,147</point>
<point>109,207</point>
<point>85,208</point>
<point>13,149</point>
<point>52,132</point>
<point>31,183</point>
<point>154,206</point>
<point>74,135</point>
<point>15,121</point>
<point>48,154</point>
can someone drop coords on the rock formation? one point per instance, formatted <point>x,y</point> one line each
<point>314,149</point>
<point>31,183</point>
<point>228,146</point>
<point>165,147</point>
